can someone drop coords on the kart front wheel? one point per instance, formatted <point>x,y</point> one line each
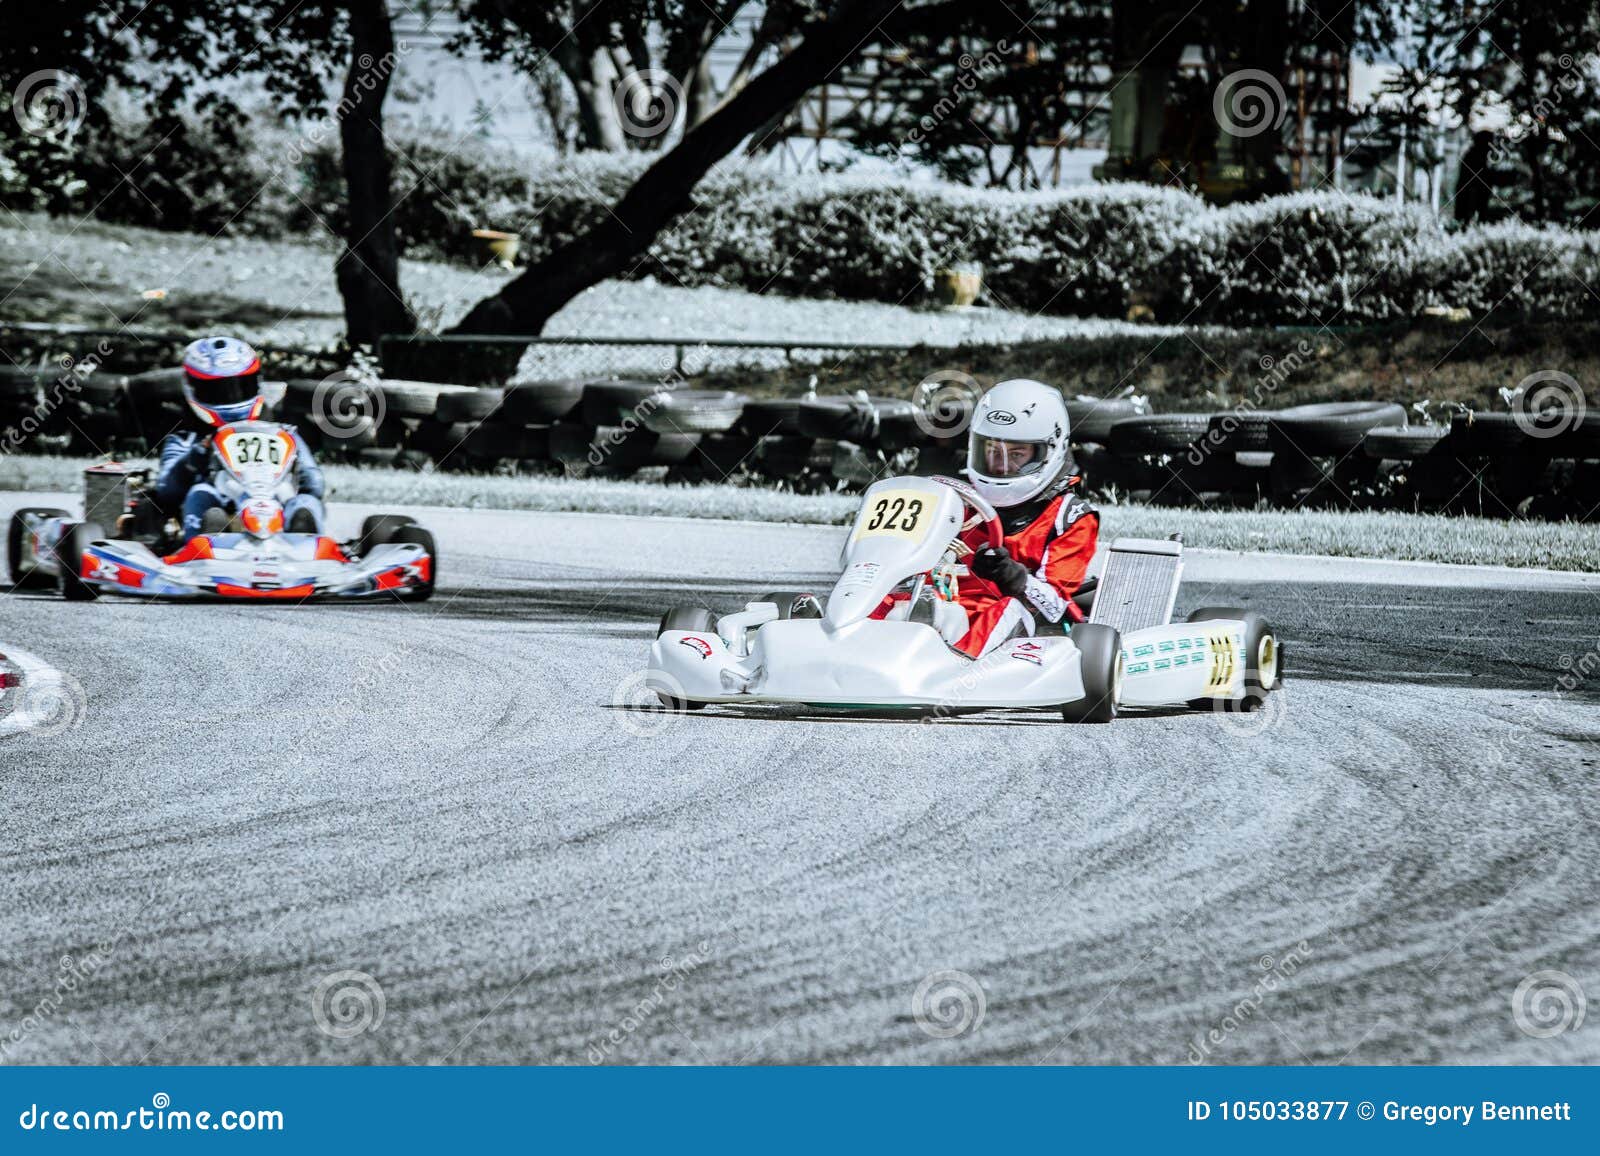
<point>24,575</point>
<point>379,530</point>
<point>696,619</point>
<point>1100,664</point>
<point>412,534</point>
<point>75,538</point>
<point>794,604</point>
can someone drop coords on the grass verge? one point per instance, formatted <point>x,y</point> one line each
<point>1360,534</point>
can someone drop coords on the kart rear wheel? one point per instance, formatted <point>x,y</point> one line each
<point>75,537</point>
<point>696,619</point>
<point>29,579</point>
<point>412,534</point>
<point>1100,650</point>
<point>1263,656</point>
<point>380,529</point>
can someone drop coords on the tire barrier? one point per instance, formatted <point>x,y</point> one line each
<point>1352,454</point>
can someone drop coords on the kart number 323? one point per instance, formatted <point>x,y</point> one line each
<point>902,513</point>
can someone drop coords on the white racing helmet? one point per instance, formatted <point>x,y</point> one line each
<point>1017,445</point>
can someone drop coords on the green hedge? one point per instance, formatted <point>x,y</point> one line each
<point>1309,258</point>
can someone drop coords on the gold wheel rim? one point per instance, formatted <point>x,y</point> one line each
<point>1267,661</point>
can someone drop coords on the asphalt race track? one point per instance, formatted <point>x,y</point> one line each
<point>443,833</point>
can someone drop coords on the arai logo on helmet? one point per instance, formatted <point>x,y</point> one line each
<point>1000,417</point>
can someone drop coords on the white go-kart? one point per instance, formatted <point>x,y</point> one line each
<point>1120,648</point>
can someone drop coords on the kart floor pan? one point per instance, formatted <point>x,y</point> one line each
<point>1139,585</point>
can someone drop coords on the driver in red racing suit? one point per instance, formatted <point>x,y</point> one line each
<point>1017,458</point>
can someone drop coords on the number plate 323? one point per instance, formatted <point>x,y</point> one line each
<point>896,513</point>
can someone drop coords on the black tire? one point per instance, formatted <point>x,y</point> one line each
<point>542,402</point>
<point>1162,433</point>
<point>69,558</point>
<point>849,418</point>
<point>693,411</point>
<point>1101,664</point>
<point>410,398</point>
<point>770,416</point>
<point>1089,419</point>
<point>33,579</point>
<point>1264,672</point>
<point>794,604</point>
<point>1329,429</point>
<point>1490,435</point>
<point>1240,431</point>
<point>163,384</point>
<point>609,403</point>
<point>1402,443</point>
<point>467,405</point>
<point>415,535</point>
<point>379,529</point>
<point>696,619</point>
<point>785,457</point>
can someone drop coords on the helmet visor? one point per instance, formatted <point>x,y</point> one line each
<point>1000,458</point>
<point>225,390</point>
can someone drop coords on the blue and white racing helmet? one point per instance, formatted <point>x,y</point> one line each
<point>222,380</point>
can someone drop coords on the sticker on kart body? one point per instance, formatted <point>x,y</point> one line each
<point>860,575</point>
<point>896,513</point>
<point>1029,652</point>
<point>699,645</point>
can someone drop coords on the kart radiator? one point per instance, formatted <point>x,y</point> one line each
<point>106,489</point>
<point>1139,585</point>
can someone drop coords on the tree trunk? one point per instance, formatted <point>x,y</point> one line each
<point>594,80</point>
<point>368,271</point>
<point>662,192</point>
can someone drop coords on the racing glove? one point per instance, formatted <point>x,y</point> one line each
<point>994,564</point>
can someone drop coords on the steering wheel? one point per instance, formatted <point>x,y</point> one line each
<point>993,532</point>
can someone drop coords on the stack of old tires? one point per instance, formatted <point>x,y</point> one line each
<point>58,408</point>
<point>1349,454</point>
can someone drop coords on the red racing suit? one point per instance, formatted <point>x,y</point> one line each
<point>1054,537</point>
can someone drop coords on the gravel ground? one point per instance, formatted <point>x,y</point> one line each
<point>267,825</point>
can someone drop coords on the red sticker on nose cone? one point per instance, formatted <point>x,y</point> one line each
<point>699,645</point>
